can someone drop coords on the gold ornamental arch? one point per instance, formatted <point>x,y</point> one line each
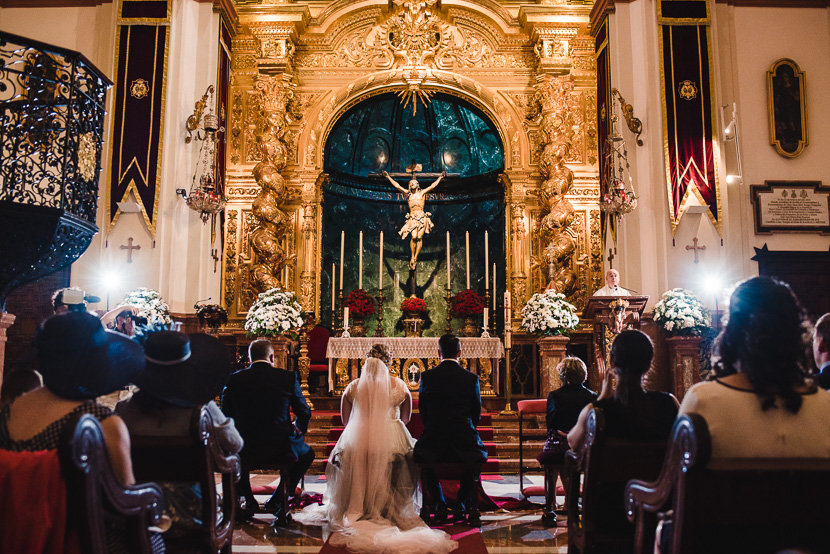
<point>421,84</point>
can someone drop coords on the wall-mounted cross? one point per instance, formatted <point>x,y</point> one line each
<point>695,248</point>
<point>129,248</point>
<point>214,253</point>
<point>611,258</point>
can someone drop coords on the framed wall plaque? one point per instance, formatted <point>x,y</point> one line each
<point>791,207</point>
<point>787,108</point>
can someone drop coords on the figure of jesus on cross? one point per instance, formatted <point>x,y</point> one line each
<point>418,222</point>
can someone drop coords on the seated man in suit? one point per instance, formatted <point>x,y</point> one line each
<point>258,399</point>
<point>450,406</point>
<point>821,350</point>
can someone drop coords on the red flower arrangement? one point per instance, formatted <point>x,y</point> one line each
<point>468,303</point>
<point>414,304</point>
<point>360,304</point>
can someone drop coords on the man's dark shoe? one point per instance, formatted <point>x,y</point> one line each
<point>474,519</point>
<point>243,515</point>
<point>549,519</point>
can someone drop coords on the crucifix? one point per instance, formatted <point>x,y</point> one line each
<point>610,258</point>
<point>129,248</point>
<point>695,248</point>
<point>214,253</point>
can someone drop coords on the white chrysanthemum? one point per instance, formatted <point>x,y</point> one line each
<point>274,313</point>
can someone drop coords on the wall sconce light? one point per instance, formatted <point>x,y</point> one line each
<point>730,133</point>
<point>206,194</point>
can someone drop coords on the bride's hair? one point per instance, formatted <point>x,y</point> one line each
<point>381,352</point>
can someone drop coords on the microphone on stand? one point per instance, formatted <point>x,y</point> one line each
<point>629,290</point>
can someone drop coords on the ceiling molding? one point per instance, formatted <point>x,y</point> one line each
<point>52,3</point>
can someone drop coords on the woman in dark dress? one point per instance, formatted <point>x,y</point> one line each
<point>631,412</point>
<point>564,406</point>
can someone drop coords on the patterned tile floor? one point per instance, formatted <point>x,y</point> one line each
<point>503,532</point>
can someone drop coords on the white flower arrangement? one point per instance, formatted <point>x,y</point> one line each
<point>548,313</point>
<point>274,313</point>
<point>680,312</point>
<point>150,305</point>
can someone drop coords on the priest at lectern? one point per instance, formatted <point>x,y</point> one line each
<point>612,285</point>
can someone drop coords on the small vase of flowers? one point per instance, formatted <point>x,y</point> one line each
<point>275,312</point>
<point>680,313</point>
<point>413,307</point>
<point>469,305</point>
<point>360,305</point>
<point>549,314</point>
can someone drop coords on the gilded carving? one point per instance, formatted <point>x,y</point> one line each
<point>272,223</point>
<point>591,126</point>
<point>557,211</point>
<point>230,257</point>
<point>236,125</point>
<point>578,139</point>
<point>241,62</point>
<point>485,374</point>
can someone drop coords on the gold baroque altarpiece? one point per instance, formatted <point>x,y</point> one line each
<point>297,67</point>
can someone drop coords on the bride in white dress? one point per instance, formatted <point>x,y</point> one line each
<point>372,499</point>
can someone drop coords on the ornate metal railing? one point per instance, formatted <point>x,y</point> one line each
<point>52,105</point>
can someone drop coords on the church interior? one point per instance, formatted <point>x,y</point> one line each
<point>404,169</point>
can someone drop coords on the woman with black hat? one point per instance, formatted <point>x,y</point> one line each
<point>183,372</point>
<point>79,361</point>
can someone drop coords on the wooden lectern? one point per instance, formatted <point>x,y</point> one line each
<point>611,315</point>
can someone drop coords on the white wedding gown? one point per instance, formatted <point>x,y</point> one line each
<point>372,499</point>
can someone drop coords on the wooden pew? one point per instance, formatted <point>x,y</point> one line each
<point>597,475</point>
<point>196,458</point>
<point>734,506</point>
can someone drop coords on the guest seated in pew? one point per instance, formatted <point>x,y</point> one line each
<point>79,361</point>
<point>631,412</point>
<point>762,402</point>
<point>261,399</point>
<point>821,350</point>
<point>183,372</point>
<point>17,383</point>
<point>563,408</point>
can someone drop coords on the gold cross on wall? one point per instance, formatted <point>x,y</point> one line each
<point>695,248</point>
<point>129,248</point>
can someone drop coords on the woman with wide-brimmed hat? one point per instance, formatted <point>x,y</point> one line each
<point>183,372</point>
<point>79,361</point>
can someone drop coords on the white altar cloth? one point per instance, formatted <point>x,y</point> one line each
<point>407,347</point>
<point>412,347</point>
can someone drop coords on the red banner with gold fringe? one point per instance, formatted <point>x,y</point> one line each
<point>686,75</point>
<point>138,109</point>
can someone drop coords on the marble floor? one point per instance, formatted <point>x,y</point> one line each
<point>518,531</point>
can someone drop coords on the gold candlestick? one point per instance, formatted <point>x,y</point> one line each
<point>340,312</point>
<point>304,362</point>
<point>379,330</point>
<point>448,330</point>
<point>489,315</point>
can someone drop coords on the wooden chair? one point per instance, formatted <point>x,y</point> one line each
<point>529,430</point>
<point>92,492</point>
<point>597,475</point>
<point>195,458</point>
<point>735,506</point>
<point>318,340</point>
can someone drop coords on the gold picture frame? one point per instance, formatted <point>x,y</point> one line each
<point>786,93</point>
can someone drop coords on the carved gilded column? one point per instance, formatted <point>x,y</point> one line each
<point>557,214</point>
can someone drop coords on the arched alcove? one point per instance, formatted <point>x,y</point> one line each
<point>379,133</point>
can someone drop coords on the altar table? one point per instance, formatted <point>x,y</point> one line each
<point>408,358</point>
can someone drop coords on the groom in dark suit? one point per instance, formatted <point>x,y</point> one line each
<point>450,404</point>
<point>258,399</point>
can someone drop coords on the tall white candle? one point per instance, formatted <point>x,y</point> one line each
<point>360,261</point>
<point>342,243</point>
<point>507,308</point>
<point>332,287</point>
<point>487,261</point>
<point>448,259</point>
<point>346,317</point>
<point>380,264</point>
<point>468,259</point>
<point>486,313</point>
